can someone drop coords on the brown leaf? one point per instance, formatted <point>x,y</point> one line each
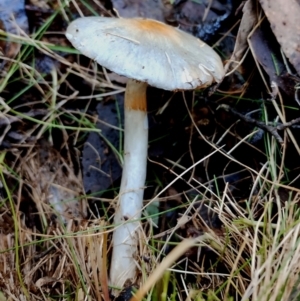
<point>266,52</point>
<point>248,21</point>
<point>283,16</point>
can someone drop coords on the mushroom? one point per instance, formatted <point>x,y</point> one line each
<point>147,52</point>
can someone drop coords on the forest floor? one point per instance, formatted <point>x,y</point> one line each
<point>223,163</point>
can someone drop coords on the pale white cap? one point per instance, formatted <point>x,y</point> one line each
<point>147,50</point>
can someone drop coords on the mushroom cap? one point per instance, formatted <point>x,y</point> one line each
<point>147,50</point>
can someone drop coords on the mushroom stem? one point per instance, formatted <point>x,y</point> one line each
<point>130,202</point>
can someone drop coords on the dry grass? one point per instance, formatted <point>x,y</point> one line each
<point>256,251</point>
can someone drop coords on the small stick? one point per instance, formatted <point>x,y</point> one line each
<point>272,129</point>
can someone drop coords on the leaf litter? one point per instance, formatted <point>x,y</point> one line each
<point>237,201</point>
<point>285,25</point>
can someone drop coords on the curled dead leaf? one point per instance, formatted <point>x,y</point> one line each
<point>46,280</point>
